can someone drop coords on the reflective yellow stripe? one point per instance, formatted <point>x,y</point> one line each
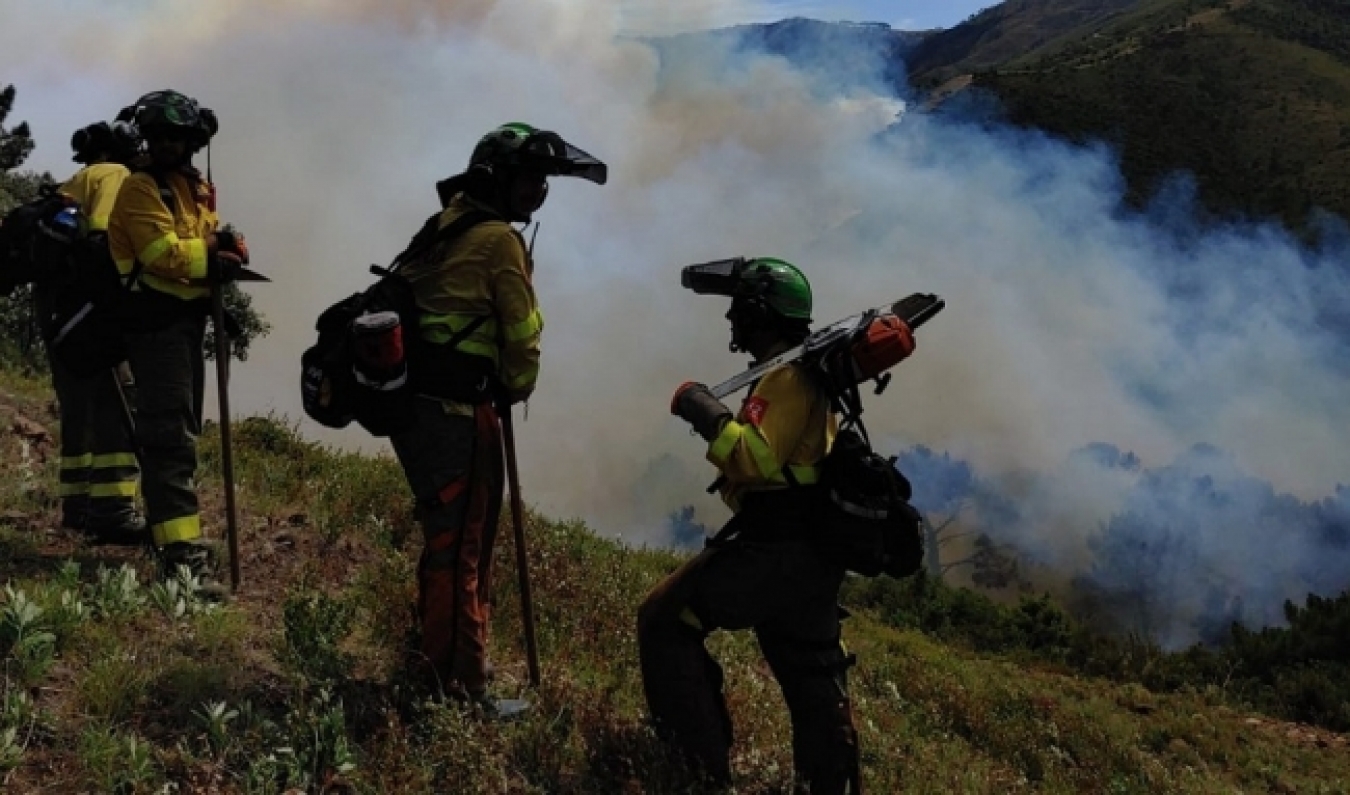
<point>438,329</point>
<point>196,258</point>
<point>125,488</point>
<point>157,248</point>
<point>77,461</point>
<point>524,379</point>
<point>109,460</point>
<point>805,475</point>
<point>98,223</point>
<point>720,449</point>
<point>184,528</point>
<point>529,327</point>
<point>450,324</point>
<point>72,489</point>
<point>762,453</point>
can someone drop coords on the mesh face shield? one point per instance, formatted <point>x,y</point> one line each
<point>547,153</point>
<point>719,277</point>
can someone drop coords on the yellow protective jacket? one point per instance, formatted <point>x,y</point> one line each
<point>786,421</point>
<point>170,242</point>
<point>95,187</point>
<point>485,272</point>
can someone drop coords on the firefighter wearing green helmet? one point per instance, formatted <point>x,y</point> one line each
<point>479,329</point>
<point>164,238</point>
<point>762,571</point>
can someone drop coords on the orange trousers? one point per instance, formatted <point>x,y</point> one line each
<point>454,466</point>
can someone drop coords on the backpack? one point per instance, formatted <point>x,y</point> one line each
<point>40,241</point>
<point>86,323</point>
<point>364,365</point>
<point>867,524</point>
<point>46,243</point>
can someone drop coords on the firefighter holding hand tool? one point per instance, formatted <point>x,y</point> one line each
<point>476,353</point>
<point>165,242</point>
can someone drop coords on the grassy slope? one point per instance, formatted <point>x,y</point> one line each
<point>1252,96</point>
<point>1004,32</point>
<point>309,659</point>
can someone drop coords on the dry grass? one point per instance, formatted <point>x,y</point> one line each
<point>300,684</point>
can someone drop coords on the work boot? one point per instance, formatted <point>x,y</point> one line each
<point>200,559</point>
<point>123,529</point>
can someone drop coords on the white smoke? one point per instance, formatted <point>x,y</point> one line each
<point>337,118</point>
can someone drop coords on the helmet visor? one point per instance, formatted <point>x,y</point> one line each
<point>547,153</point>
<point>719,277</point>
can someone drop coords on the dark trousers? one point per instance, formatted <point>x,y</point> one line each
<point>787,595</point>
<point>98,464</point>
<point>455,470</point>
<point>169,369</point>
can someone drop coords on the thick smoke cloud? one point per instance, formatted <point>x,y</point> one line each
<point>1068,321</point>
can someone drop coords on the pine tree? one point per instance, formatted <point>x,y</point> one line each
<point>21,343</point>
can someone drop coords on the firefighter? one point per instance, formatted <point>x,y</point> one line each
<point>164,239</point>
<point>98,479</point>
<point>762,571</point>
<point>478,353</point>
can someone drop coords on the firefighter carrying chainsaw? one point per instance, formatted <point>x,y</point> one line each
<point>777,566</point>
<point>171,255</point>
<point>98,475</point>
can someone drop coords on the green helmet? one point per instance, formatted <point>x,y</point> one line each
<point>519,145</point>
<point>160,109</point>
<point>502,146</point>
<point>782,286</point>
<point>779,285</point>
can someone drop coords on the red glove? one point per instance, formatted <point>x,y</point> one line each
<point>232,241</point>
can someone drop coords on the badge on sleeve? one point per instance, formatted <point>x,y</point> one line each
<point>754,410</point>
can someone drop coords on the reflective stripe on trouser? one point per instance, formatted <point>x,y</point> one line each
<point>169,371</point>
<point>98,468</point>
<point>454,467</point>
<point>788,596</point>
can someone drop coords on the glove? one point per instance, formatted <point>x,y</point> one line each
<point>224,267</point>
<point>696,405</point>
<point>231,240</point>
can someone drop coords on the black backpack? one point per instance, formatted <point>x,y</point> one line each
<point>866,522</point>
<point>41,242</point>
<point>45,243</point>
<point>333,390</point>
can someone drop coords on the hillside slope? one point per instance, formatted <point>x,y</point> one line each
<point>1252,97</point>
<point>111,684</point>
<point>1004,33</point>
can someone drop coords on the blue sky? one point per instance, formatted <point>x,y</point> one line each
<point>663,16</point>
<point>905,14</point>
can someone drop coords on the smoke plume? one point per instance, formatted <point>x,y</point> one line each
<point>1069,322</point>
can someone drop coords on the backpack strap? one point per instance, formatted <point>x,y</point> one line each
<point>430,235</point>
<point>463,334</point>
